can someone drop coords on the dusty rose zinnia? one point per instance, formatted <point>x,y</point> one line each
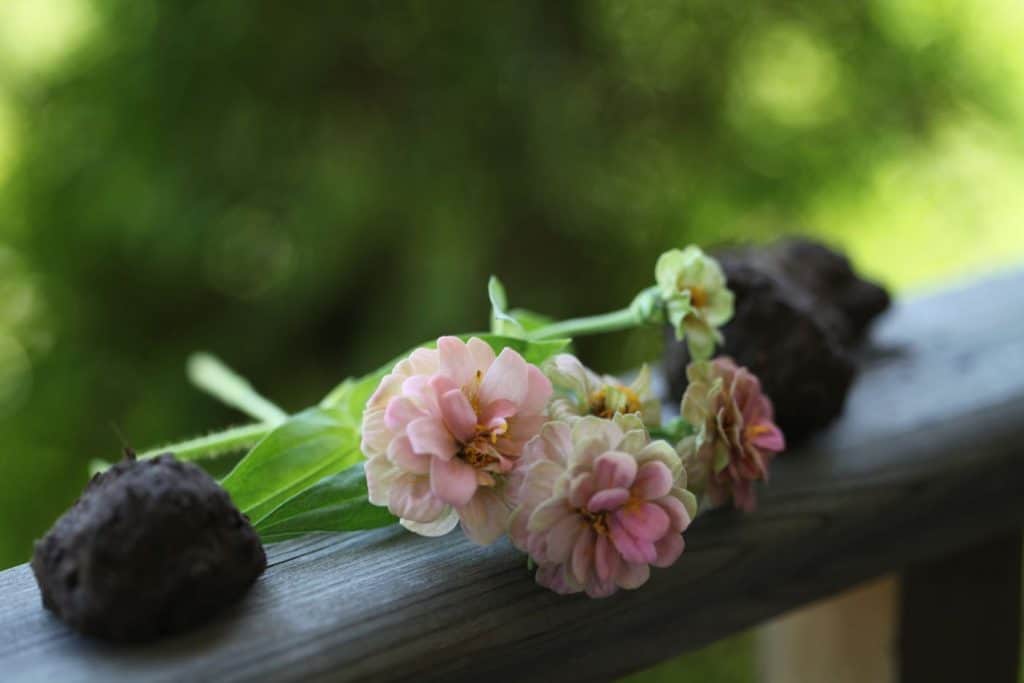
<point>442,431</point>
<point>736,436</point>
<point>598,503</point>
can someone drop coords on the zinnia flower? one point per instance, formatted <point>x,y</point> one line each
<point>442,431</point>
<point>598,503</point>
<point>580,391</point>
<point>736,436</point>
<point>697,301</point>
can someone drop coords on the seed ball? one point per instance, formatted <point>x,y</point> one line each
<point>801,311</point>
<point>151,548</point>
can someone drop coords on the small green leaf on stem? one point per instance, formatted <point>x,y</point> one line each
<point>501,321</point>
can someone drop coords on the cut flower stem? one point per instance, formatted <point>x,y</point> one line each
<point>625,319</point>
<point>219,443</point>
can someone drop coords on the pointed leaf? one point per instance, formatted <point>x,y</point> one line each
<point>302,451</point>
<point>501,321</point>
<point>335,503</point>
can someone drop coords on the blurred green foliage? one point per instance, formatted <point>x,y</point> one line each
<point>308,188</point>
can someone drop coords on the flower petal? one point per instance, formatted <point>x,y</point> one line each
<point>678,516</point>
<point>457,362</point>
<point>632,575</point>
<point>458,415</point>
<point>648,522</point>
<point>401,453</point>
<point>653,480</point>
<point>608,499</point>
<point>411,498</point>
<point>453,481</point>
<point>439,527</point>
<point>597,588</point>
<point>483,354</point>
<point>668,550</point>
<point>429,436</point>
<point>484,517</point>
<point>538,391</point>
<point>553,576</point>
<point>606,558</point>
<point>517,531</point>
<point>583,555</point>
<point>631,548</point>
<point>581,489</point>
<point>548,514</point>
<point>380,476</point>
<point>495,414</point>
<point>769,437</point>
<point>614,469</point>
<point>562,538</point>
<point>418,388</point>
<point>400,412</point>
<point>376,435</point>
<point>507,378</point>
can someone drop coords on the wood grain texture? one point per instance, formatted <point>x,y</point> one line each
<point>925,461</point>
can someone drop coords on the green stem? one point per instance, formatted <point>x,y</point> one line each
<point>624,319</point>
<point>219,443</point>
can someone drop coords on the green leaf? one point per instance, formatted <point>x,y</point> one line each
<point>336,503</point>
<point>308,447</point>
<point>501,321</point>
<point>535,352</point>
<point>348,400</point>
<point>673,431</point>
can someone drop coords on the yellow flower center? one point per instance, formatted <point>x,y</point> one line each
<point>599,403</point>
<point>598,521</point>
<point>698,297</point>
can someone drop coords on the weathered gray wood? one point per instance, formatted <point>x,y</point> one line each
<point>926,461</point>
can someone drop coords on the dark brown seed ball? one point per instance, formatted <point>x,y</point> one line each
<point>800,312</point>
<point>151,548</point>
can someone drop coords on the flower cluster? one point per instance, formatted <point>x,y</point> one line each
<point>598,503</point>
<point>455,433</point>
<point>443,430</point>
<point>561,458</point>
<point>736,436</point>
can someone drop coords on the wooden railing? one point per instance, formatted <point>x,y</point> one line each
<point>923,475</point>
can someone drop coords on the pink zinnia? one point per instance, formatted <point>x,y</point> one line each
<point>598,503</point>
<point>442,431</point>
<point>736,437</point>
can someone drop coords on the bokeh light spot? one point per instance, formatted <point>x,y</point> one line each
<point>36,34</point>
<point>787,76</point>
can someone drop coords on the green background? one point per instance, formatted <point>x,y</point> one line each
<point>308,188</point>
